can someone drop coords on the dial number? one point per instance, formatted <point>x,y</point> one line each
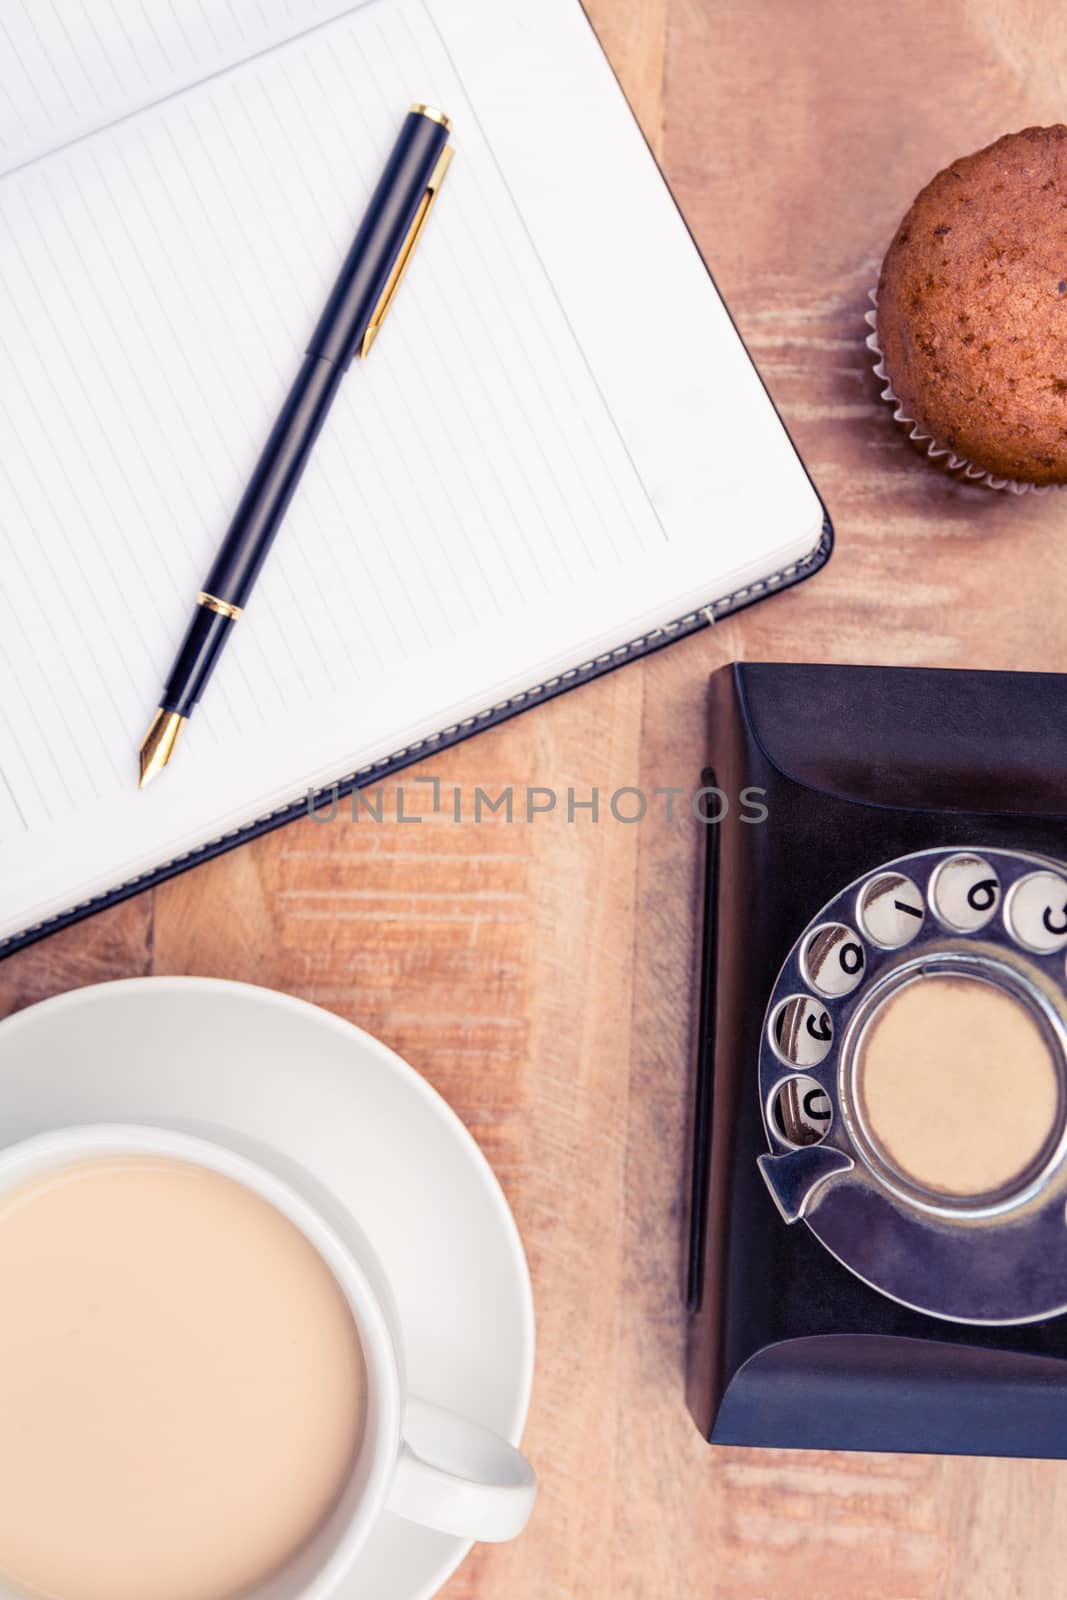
<point>802,1111</point>
<point>891,910</point>
<point>1036,912</point>
<point>801,1030</point>
<point>965,893</point>
<point>834,960</point>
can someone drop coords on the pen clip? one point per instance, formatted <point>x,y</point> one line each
<point>407,250</point>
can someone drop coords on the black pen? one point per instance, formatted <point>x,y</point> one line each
<point>362,295</point>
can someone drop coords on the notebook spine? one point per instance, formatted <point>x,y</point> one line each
<point>386,766</point>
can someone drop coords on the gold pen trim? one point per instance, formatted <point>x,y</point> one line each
<point>403,260</point>
<point>213,603</point>
<point>433,114</point>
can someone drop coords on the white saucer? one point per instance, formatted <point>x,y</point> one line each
<point>210,1056</point>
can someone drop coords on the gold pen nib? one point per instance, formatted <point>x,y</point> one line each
<point>158,744</point>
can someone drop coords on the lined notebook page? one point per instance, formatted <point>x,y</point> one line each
<point>69,66</point>
<point>470,503</point>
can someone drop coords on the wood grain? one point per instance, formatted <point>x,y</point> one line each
<point>541,974</point>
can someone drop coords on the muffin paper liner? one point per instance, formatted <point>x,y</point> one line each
<point>934,449</point>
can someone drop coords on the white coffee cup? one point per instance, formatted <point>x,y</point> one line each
<point>416,1459</point>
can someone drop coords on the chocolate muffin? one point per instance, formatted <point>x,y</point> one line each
<point>972,308</point>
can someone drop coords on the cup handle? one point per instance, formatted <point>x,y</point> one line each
<point>460,1478</point>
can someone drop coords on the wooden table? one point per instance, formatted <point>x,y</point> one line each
<point>542,976</point>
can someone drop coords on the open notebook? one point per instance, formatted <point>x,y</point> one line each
<point>557,455</point>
